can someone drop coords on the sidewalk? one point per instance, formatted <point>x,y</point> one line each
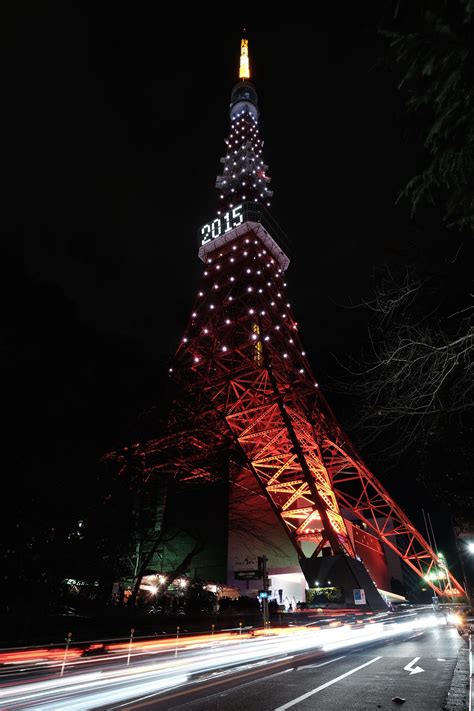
<point>458,694</point>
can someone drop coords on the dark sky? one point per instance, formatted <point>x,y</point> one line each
<point>114,126</point>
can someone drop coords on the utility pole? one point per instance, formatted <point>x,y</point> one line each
<point>263,560</point>
<point>432,545</point>
<point>467,588</point>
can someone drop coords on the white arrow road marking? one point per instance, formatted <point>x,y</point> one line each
<point>409,667</point>
<point>440,660</point>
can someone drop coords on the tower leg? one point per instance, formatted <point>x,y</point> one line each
<point>346,573</point>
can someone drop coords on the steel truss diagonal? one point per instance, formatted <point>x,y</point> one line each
<point>246,392</point>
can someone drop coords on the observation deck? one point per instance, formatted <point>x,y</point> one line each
<point>245,217</point>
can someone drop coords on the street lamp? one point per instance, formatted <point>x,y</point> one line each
<point>469,547</point>
<point>444,571</point>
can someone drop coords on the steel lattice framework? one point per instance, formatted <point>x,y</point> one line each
<point>246,393</point>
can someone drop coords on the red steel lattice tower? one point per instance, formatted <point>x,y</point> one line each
<point>246,389</point>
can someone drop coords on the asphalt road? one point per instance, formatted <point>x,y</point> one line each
<point>418,669</point>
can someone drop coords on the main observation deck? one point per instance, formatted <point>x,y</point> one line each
<point>246,217</point>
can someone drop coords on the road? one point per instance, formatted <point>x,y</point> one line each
<point>353,666</point>
<point>358,681</point>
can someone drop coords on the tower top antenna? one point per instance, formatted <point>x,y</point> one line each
<point>244,70</point>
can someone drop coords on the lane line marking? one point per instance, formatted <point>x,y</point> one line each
<point>323,664</point>
<point>324,686</point>
<point>136,703</point>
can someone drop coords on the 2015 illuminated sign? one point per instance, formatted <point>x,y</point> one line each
<point>222,224</point>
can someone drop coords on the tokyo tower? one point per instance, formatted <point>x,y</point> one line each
<point>246,393</point>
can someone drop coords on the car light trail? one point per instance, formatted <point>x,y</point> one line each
<point>197,657</point>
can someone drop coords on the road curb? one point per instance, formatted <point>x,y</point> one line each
<point>471,674</point>
<point>458,694</point>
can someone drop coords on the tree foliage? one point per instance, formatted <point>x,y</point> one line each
<point>415,380</point>
<point>414,386</point>
<point>433,57</point>
<point>417,374</point>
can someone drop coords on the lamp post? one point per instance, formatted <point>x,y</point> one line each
<point>445,571</point>
<point>470,549</point>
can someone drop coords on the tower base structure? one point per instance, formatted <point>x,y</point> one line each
<point>346,573</point>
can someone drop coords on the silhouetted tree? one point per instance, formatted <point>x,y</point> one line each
<point>432,49</point>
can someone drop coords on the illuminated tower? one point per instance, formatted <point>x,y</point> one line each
<point>247,397</point>
<point>244,176</point>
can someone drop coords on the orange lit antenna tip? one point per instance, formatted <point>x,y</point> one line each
<point>244,71</point>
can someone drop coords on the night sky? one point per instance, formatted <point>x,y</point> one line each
<point>114,126</point>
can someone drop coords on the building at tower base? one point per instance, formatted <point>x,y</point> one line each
<point>254,530</point>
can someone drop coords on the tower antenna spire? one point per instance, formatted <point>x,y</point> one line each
<point>244,70</point>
